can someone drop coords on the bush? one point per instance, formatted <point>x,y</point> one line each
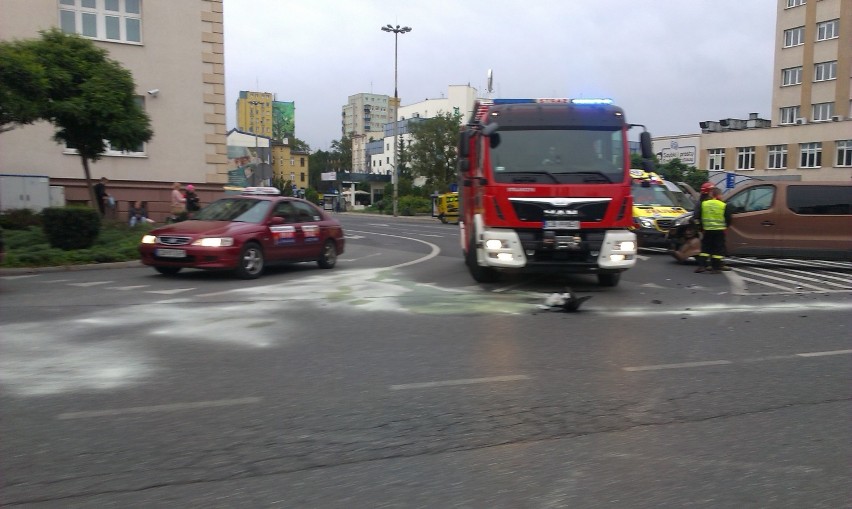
<point>116,242</point>
<point>411,205</point>
<point>71,227</point>
<point>19,219</point>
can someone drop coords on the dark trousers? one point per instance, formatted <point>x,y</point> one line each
<point>712,249</point>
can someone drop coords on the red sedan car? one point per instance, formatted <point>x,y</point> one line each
<point>244,233</point>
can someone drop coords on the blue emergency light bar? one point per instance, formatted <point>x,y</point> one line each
<point>591,101</point>
<point>550,100</point>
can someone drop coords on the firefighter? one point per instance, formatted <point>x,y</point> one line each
<point>715,218</point>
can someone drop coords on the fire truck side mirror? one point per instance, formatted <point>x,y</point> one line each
<point>463,166</point>
<point>647,146</point>
<point>464,143</point>
<point>494,140</point>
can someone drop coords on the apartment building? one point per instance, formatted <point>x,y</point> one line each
<point>175,51</point>
<point>458,100</point>
<point>809,135</point>
<point>254,113</point>
<point>363,119</point>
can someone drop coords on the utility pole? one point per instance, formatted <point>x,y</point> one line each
<point>396,31</point>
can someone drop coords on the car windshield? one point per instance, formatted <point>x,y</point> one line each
<point>653,194</point>
<point>559,155</point>
<point>243,210</point>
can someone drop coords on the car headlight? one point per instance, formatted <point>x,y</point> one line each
<point>149,239</point>
<point>214,242</point>
<point>646,222</point>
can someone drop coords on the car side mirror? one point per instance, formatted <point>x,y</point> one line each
<point>276,220</point>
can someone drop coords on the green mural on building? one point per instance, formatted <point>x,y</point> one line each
<point>283,120</point>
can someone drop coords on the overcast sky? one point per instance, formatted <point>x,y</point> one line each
<point>668,63</point>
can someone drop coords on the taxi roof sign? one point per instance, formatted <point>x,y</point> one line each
<point>264,190</point>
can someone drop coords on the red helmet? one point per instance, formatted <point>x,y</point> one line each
<point>706,188</point>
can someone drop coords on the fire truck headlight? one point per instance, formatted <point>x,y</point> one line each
<point>626,245</point>
<point>495,244</point>
<point>617,258</point>
<point>505,257</point>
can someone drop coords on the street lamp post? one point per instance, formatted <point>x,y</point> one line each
<point>396,31</point>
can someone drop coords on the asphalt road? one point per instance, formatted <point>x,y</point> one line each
<point>394,380</point>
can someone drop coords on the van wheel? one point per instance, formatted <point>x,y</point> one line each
<point>610,279</point>
<point>329,255</point>
<point>443,218</point>
<point>167,271</point>
<point>250,263</point>
<point>479,274</point>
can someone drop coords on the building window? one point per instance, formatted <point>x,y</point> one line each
<point>292,177</point>
<point>794,37</point>
<point>302,162</point>
<point>108,20</point>
<point>844,152</point>
<point>823,111</point>
<point>795,3</point>
<point>716,159</point>
<point>811,155</point>
<point>292,161</point>
<point>791,76</point>
<point>745,158</point>
<point>825,71</point>
<point>302,176</point>
<point>777,157</point>
<point>789,114</point>
<point>827,30</point>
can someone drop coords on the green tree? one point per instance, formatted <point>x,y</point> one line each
<point>90,98</point>
<point>23,85</point>
<point>433,150</point>
<point>341,153</point>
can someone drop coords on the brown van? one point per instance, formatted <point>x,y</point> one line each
<point>785,219</point>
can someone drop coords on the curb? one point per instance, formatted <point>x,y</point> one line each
<point>17,271</point>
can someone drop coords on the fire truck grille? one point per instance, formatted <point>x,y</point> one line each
<point>535,211</point>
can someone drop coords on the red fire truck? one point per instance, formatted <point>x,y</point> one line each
<point>545,186</point>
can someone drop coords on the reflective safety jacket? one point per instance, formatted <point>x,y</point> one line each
<point>713,215</point>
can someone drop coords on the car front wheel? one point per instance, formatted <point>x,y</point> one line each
<point>250,264</point>
<point>328,259</point>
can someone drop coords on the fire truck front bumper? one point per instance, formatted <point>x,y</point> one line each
<point>580,251</point>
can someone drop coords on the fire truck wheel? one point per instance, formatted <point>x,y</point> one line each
<point>609,279</point>
<point>479,274</point>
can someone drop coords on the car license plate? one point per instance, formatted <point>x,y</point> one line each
<point>171,253</point>
<point>562,225</point>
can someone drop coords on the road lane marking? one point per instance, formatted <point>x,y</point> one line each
<point>740,361</point>
<point>463,381</point>
<point>127,287</point>
<point>159,408</point>
<point>822,354</point>
<point>90,283</point>
<point>21,276</point>
<point>435,249</point>
<point>169,292</point>
<point>677,366</point>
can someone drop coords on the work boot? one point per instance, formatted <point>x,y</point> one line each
<point>700,269</point>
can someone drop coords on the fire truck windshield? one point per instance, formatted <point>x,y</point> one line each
<point>559,155</point>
